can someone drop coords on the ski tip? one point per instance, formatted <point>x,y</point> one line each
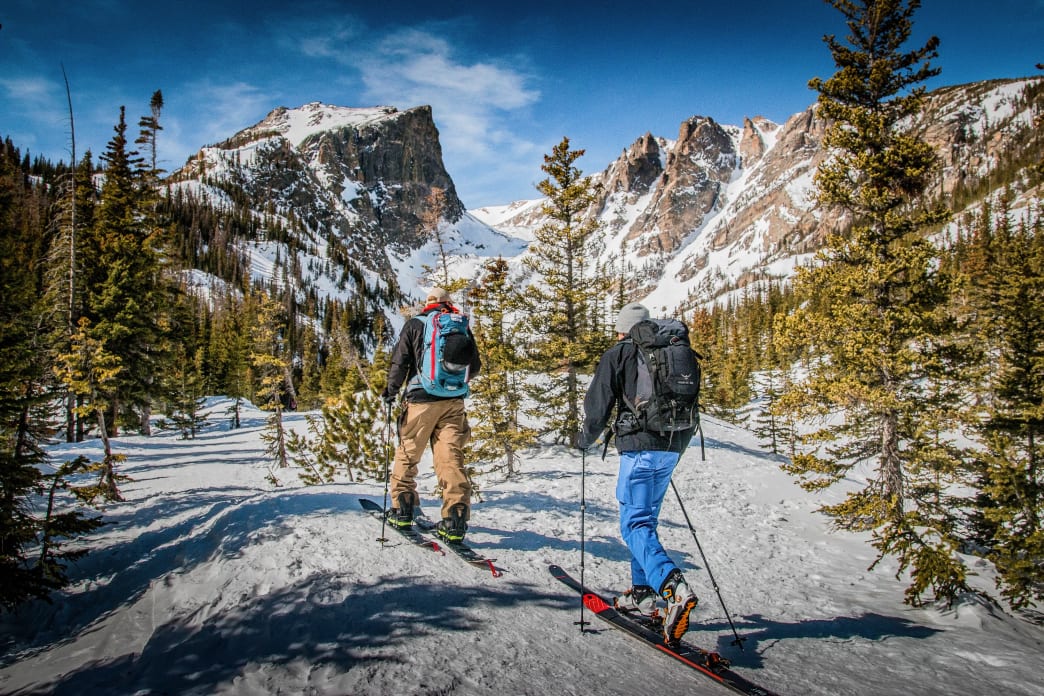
<point>556,570</point>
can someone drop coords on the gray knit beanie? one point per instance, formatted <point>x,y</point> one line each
<point>630,315</point>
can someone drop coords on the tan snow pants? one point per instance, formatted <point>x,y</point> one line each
<point>443,425</point>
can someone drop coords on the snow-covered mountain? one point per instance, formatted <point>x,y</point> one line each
<point>720,206</point>
<point>341,191</point>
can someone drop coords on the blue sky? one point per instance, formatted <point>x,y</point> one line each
<point>506,80</point>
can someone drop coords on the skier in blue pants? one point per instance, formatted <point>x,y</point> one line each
<point>647,462</point>
<point>640,488</point>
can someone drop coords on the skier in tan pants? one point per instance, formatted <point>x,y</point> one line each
<point>431,419</point>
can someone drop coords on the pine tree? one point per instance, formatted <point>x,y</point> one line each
<point>230,352</point>
<point>92,373</point>
<point>187,392</point>
<point>61,527</point>
<point>310,389</point>
<point>148,175</point>
<point>268,357</point>
<point>497,434</point>
<point>1010,466</point>
<point>126,295</point>
<point>564,303</point>
<point>150,128</point>
<point>354,432</point>
<point>874,320</point>
<point>21,374</point>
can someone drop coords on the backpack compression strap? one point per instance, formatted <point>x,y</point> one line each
<point>434,335</point>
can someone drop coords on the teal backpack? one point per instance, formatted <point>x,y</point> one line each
<point>446,356</point>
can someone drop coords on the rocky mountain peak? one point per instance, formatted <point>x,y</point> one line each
<point>723,206</point>
<point>638,167</point>
<point>358,175</point>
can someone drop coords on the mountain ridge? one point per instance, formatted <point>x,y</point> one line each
<point>722,206</point>
<point>685,220</point>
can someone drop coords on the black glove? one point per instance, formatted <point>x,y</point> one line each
<point>388,397</point>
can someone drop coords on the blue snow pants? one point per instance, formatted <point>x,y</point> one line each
<point>640,487</point>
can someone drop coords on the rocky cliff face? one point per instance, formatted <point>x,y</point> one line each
<point>686,220</point>
<point>357,176</point>
<point>722,206</point>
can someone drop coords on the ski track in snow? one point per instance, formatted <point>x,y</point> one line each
<point>211,581</point>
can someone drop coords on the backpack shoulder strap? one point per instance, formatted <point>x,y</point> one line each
<point>631,405</point>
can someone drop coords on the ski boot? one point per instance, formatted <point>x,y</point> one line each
<point>452,528</point>
<point>639,600</point>
<point>402,516</point>
<point>680,602</point>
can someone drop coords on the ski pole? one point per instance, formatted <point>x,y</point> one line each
<point>583,509</point>
<point>387,468</point>
<point>703,449</point>
<point>738,641</point>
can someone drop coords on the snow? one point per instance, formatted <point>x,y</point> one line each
<point>297,125</point>
<point>210,580</point>
<point>499,216</point>
<point>469,243</point>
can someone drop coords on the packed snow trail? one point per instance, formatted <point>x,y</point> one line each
<point>212,581</point>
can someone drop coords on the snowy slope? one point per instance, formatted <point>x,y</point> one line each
<point>211,581</point>
<point>683,249</point>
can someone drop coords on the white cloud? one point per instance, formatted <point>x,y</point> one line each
<point>416,62</point>
<point>328,39</point>
<point>29,89</point>
<point>476,101</point>
<point>217,111</point>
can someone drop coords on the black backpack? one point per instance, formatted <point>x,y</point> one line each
<point>668,393</point>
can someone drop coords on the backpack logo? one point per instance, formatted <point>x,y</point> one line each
<point>446,355</point>
<point>668,390</point>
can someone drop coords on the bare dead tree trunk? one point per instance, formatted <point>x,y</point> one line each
<point>70,398</point>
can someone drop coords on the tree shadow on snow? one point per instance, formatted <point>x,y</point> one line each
<point>322,626</point>
<point>762,633</point>
<point>216,525</point>
<point>727,446</point>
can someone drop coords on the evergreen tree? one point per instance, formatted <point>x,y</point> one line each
<point>497,434</point>
<point>1010,466</point>
<point>150,128</point>
<point>564,303</point>
<point>874,319</point>
<point>126,296</point>
<point>767,425</point>
<point>187,392</point>
<point>92,373</point>
<point>21,373</point>
<point>148,174</point>
<point>268,357</point>
<point>310,389</point>
<point>229,349</point>
<point>60,527</point>
<point>354,433</point>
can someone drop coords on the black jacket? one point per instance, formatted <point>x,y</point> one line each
<point>616,376</point>
<point>406,360</point>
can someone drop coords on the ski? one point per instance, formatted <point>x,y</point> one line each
<point>411,535</point>
<point>468,554</point>
<point>709,664</point>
